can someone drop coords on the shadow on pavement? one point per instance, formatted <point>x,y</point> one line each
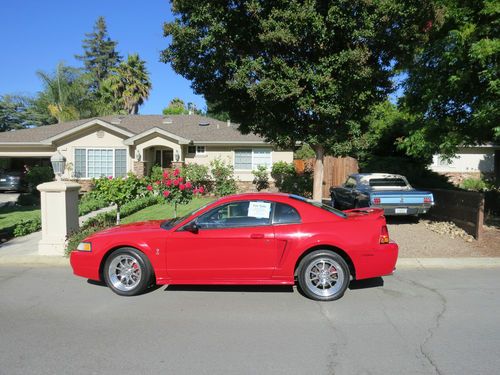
<point>375,282</point>
<point>231,288</point>
<point>397,220</point>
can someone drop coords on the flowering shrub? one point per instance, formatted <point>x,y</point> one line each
<point>118,190</point>
<point>223,174</point>
<point>174,188</point>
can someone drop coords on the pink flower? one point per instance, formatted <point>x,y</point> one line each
<point>188,185</point>
<point>165,174</point>
<point>182,186</point>
<point>166,193</point>
<point>176,172</point>
<point>176,182</point>
<point>195,191</point>
<point>149,187</point>
<point>110,177</point>
<point>201,189</point>
<point>169,182</point>
<point>181,179</point>
<point>157,182</point>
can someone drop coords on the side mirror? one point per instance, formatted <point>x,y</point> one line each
<point>192,227</point>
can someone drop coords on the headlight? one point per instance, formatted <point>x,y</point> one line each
<point>84,246</point>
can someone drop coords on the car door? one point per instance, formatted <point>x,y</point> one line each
<point>234,241</point>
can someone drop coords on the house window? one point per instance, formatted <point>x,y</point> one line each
<point>96,162</point>
<point>198,150</point>
<point>249,159</point>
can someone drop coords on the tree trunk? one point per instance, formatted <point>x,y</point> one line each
<point>318,173</point>
<point>117,215</point>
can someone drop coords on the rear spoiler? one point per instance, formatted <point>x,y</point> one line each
<point>368,211</point>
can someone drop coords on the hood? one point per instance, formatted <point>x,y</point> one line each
<point>132,227</point>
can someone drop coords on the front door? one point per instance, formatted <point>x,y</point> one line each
<point>164,157</point>
<point>234,241</point>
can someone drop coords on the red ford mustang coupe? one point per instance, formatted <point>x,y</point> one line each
<point>258,238</point>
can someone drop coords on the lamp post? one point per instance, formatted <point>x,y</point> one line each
<point>58,162</point>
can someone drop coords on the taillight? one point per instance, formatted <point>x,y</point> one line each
<point>384,235</point>
<point>427,200</point>
<point>376,200</point>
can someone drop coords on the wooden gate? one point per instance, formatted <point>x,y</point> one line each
<point>335,170</point>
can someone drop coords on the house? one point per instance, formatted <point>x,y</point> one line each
<point>470,161</point>
<point>115,145</point>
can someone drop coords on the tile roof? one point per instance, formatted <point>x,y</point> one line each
<point>186,126</point>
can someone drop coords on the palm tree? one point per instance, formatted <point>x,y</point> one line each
<point>65,93</point>
<point>129,82</point>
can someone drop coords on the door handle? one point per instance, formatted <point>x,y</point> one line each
<point>256,236</point>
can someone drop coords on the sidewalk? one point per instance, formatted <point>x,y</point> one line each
<point>24,250</point>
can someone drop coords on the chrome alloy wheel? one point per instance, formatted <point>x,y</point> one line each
<point>125,272</point>
<point>324,277</point>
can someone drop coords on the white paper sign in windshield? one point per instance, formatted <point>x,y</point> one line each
<point>259,210</point>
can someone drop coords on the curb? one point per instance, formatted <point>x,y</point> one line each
<point>449,263</point>
<point>34,260</point>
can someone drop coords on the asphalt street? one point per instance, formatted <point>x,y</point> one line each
<point>420,321</point>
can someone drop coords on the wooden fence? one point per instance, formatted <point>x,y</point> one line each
<point>464,208</point>
<point>335,170</point>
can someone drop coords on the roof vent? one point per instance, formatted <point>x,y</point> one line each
<point>204,123</point>
<point>116,120</point>
<point>167,120</point>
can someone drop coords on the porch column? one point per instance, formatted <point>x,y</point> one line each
<point>59,206</point>
<point>139,168</point>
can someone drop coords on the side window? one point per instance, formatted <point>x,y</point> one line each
<point>350,183</point>
<point>285,214</point>
<point>236,215</point>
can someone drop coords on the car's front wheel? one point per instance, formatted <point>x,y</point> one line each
<point>323,276</point>
<point>127,272</point>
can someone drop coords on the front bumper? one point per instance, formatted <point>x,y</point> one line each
<point>85,264</point>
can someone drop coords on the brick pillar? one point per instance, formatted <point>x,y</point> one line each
<point>139,168</point>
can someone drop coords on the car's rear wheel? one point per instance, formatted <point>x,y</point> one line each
<point>127,272</point>
<point>324,276</point>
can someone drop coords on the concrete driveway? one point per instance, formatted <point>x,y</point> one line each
<point>421,321</point>
<point>7,198</point>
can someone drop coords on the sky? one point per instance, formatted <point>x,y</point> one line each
<point>37,35</point>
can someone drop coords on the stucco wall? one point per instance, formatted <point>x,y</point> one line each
<point>226,153</point>
<point>470,159</point>
<point>96,137</point>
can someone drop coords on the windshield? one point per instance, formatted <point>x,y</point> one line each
<point>319,205</point>
<point>170,223</point>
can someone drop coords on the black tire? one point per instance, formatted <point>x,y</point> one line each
<point>136,273</point>
<point>310,270</point>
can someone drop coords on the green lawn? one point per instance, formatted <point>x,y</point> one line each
<point>165,211</point>
<point>10,216</point>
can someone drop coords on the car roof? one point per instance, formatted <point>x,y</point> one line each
<point>375,175</point>
<point>255,195</point>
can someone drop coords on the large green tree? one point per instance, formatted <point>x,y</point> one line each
<point>14,112</point>
<point>99,53</point>
<point>453,88</point>
<point>129,83</point>
<point>295,70</point>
